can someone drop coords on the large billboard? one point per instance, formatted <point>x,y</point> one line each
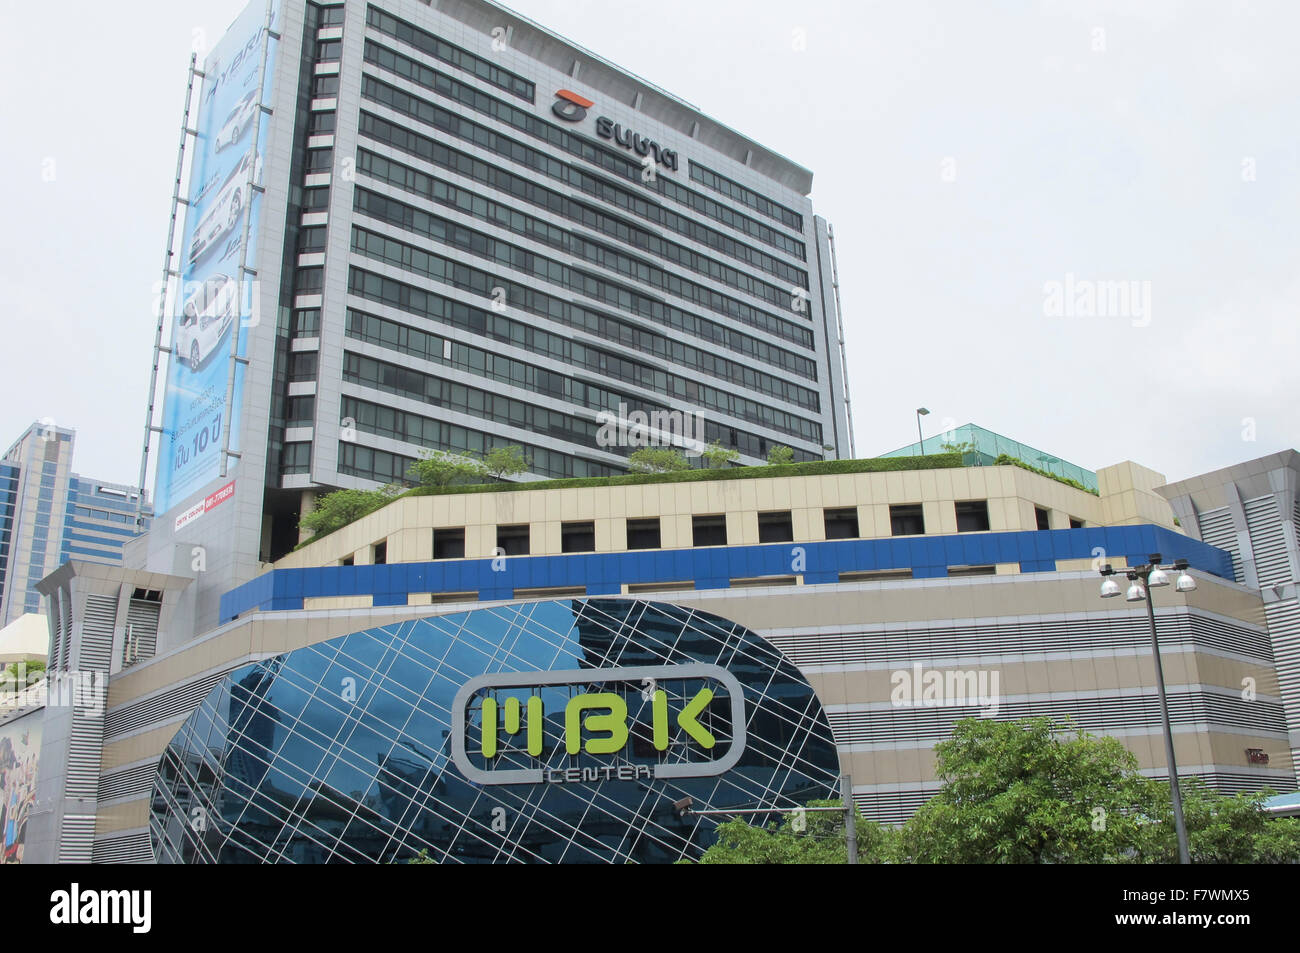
<point>212,303</point>
<point>20,752</point>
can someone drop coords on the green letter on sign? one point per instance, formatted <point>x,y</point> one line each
<point>615,723</point>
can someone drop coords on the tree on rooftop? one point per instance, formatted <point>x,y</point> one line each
<point>657,460</point>
<point>341,507</point>
<point>506,461</point>
<point>779,455</point>
<point>716,456</point>
<point>438,468</point>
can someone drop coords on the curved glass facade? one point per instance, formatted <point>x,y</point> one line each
<point>559,731</point>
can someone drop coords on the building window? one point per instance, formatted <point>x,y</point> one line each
<point>775,527</point>
<point>315,198</point>
<point>1076,523</point>
<point>325,86</point>
<point>709,530</point>
<point>319,160</point>
<point>328,51</point>
<point>346,561</point>
<point>449,543</point>
<point>306,323</point>
<point>302,366</point>
<point>972,516</point>
<point>311,239</point>
<point>309,281</point>
<point>512,540</point>
<point>578,537</point>
<point>643,534</point>
<point>1041,518</point>
<point>321,123</point>
<point>842,524</point>
<point>972,570</point>
<point>906,519</point>
<point>379,553</point>
<point>331,16</point>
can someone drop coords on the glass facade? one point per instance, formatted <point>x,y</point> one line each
<point>362,748</point>
<point>989,446</point>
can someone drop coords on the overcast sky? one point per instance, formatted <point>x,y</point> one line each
<point>968,155</point>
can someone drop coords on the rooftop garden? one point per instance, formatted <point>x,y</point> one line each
<point>442,473</point>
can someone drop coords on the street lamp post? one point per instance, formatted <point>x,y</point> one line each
<point>920,412</point>
<point>1143,579</point>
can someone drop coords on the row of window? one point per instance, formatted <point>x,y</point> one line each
<point>440,49</point>
<point>509,217</point>
<point>399,337</point>
<point>556,272</point>
<point>414,300</point>
<point>380,466</point>
<point>746,196</point>
<point>594,216</point>
<point>710,331</point>
<point>711,530</point>
<point>621,165</point>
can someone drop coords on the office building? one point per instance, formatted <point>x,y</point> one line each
<point>48,515</point>
<point>471,233</point>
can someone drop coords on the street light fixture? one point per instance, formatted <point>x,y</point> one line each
<point>1142,580</point>
<point>921,412</point>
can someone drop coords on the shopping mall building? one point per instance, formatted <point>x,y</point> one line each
<point>535,673</point>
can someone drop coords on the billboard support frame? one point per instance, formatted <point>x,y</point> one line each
<point>168,274</point>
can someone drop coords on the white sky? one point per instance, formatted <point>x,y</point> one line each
<point>965,153</point>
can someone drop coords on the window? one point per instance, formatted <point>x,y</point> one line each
<point>775,527</point>
<point>325,86</point>
<point>842,524</point>
<point>449,543</point>
<point>315,198</point>
<point>321,123</point>
<point>709,530</point>
<point>906,519</point>
<point>513,540</point>
<point>328,50</point>
<point>1041,518</point>
<point>643,534</point>
<point>311,239</point>
<point>1076,523</point>
<point>578,537</point>
<point>331,16</point>
<point>379,553</point>
<point>972,570</point>
<point>302,366</point>
<point>319,160</point>
<point>309,280</point>
<point>972,516</point>
<point>346,561</point>
<point>306,323</point>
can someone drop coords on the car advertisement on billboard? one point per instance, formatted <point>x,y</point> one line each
<point>212,305</point>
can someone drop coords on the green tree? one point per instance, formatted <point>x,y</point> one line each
<point>342,507</point>
<point>506,461</point>
<point>815,837</point>
<point>780,454</point>
<point>657,460</point>
<point>438,468</point>
<point>716,456</point>
<point>1022,792</point>
<point>1034,792</point>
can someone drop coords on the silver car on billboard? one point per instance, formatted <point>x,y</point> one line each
<point>226,209</point>
<point>237,123</point>
<point>206,318</point>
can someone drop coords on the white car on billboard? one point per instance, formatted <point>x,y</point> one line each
<point>237,123</point>
<point>226,208</point>
<point>206,318</point>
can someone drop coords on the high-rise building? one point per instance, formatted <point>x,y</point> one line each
<point>453,229</point>
<point>48,515</point>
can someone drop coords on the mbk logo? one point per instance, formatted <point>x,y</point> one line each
<point>571,107</point>
<point>603,716</point>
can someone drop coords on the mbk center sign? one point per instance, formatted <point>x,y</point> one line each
<point>583,725</point>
